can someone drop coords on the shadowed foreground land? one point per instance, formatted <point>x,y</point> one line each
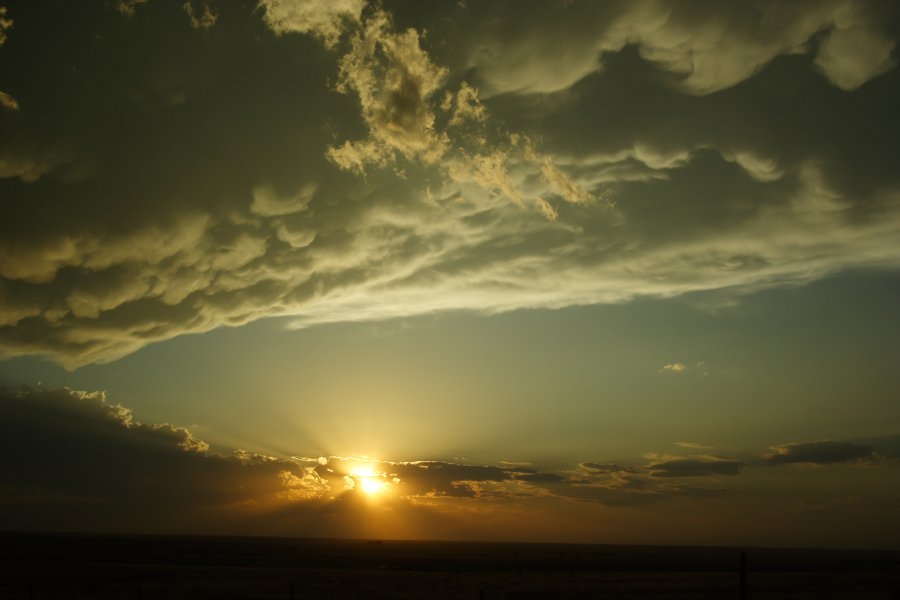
<point>147,567</point>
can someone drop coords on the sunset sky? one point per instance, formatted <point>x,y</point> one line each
<point>612,271</point>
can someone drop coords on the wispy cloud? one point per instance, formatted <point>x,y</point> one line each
<point>694,446</point>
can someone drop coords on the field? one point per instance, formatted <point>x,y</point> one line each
<point>39,566</point>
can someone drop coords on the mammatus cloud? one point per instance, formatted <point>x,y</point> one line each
<point>396,84</point>
<point>423,188</point>
<point>708,48</point>
<point>856,48</point>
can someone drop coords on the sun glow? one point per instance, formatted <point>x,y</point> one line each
<point>372,485</point>
<point>369,482</point>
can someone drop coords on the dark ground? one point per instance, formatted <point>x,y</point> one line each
<point>149,567</point>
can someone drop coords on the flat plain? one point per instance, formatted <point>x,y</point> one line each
<point>36,566</point>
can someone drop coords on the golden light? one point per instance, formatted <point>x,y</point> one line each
<point>372,485</point>
<point>369,482</point>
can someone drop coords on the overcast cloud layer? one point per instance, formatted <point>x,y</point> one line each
<point>167,169</point>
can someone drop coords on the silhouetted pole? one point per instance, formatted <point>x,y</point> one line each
<point>744,595</point>
<point>292,590</point>
<point>140,592</point>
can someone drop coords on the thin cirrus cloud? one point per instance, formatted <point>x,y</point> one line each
<point>370,171</point>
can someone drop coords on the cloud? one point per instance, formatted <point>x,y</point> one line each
<point>540,477</point>
<point>707,47</point>
<point>885,446</point>
<point>615,485</point>
<point>465,105</point>
<point>396,82</point>
<point>325,19</point>
<point>393,79</point>
<point>673,368</point>
<point>856,49</point>
<point>665,466</point>
<point>267,203</point>
<point>186,194</point>
<point>71,459</point>
<point>202,13</point>
<point>5,24</point>
<point>78,444</point>
<point>128,7</point>
<point>8,102</point>
<point>694,446</point>
<point>819,453</point>
<point>695,466</point>
<point>433,479</point>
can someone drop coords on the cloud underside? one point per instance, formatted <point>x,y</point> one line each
<point>70,457</point>
<point>392,177</point>
<point>708,48</point>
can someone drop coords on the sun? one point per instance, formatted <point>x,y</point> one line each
<point>369,482</point>
<point>372,485</point>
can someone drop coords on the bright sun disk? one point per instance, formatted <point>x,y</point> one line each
<point>371,485</point>
<point>368,481</point>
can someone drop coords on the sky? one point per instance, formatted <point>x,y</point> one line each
<point>607,272</point>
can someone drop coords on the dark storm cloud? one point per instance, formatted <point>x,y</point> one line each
<point>69,458</point>
<point>168,168</point>
<point>819,453</point>
<point>704,46</point>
